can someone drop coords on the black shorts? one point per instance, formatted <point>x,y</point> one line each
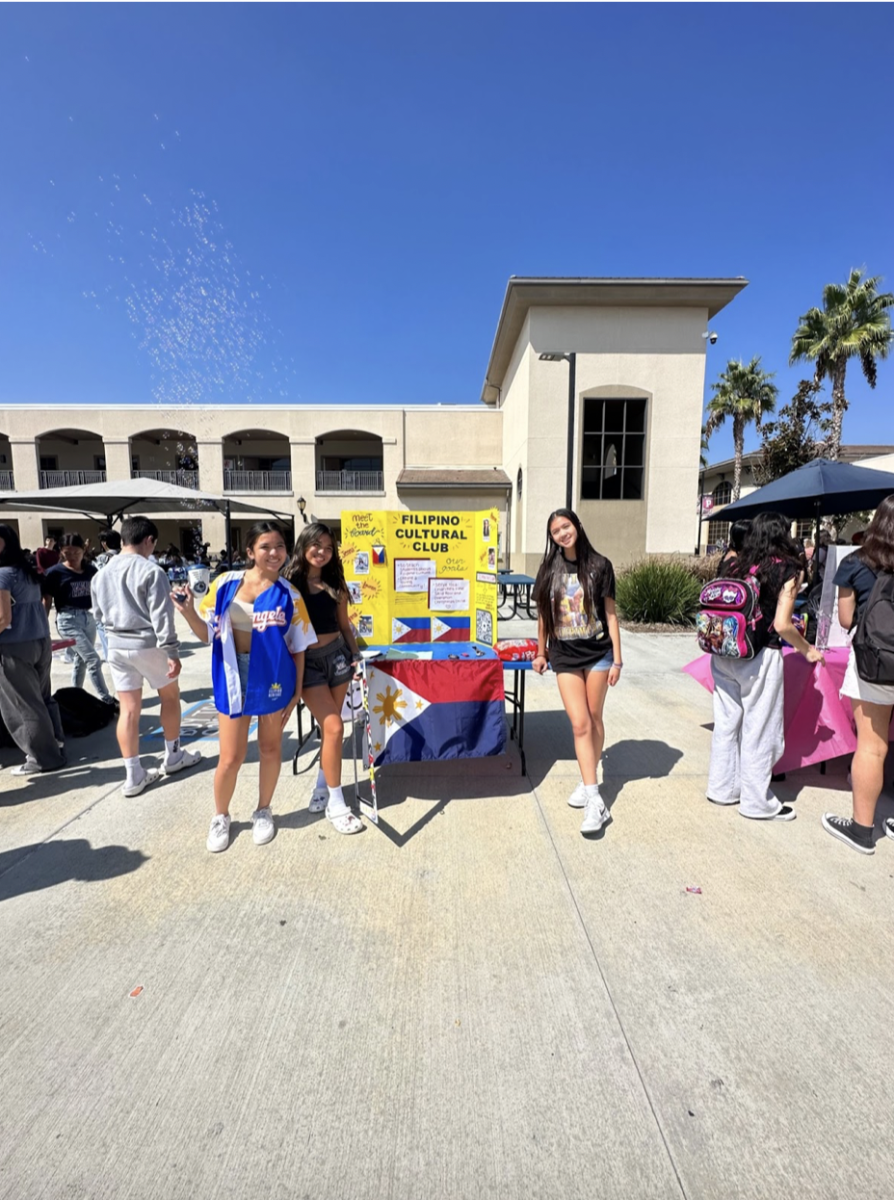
<point>327,666</point>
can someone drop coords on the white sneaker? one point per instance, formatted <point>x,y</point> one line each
<point>595,814</point>
<point>219,833</point>
<point>186,758</point>
<point>134,789</point>
<point>262,827</point>
<point>28,767</point>
<point>319,798</point>
<point>578,797</point>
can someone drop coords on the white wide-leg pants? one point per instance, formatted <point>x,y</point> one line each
<point>748,734</point>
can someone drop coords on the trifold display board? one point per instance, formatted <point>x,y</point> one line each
<point>421,576</point>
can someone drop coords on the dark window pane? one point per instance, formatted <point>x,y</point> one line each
<point>634,450</point>
<point>589,484</point>
<point>611,486</point>
<point>593,414</point>
<point>614,416</point>
<point>636,416</point>
<point>592,456</point>
<point>633,483</point>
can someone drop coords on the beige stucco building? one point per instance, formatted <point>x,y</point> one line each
<point>638,347</point>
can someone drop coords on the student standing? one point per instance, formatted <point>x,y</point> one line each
<point>316,570</point>
<point>258,628</point>
<point>579,637</point>
<point>68,586</point>
<point>131,597</point>
<point>873,703</point>
<point>26,705</point>
<point>748,737</point>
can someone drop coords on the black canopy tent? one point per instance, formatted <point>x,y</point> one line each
<point>818,489</point>
<point>110,501</point>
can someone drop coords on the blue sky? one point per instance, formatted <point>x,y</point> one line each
<point>323,203</point>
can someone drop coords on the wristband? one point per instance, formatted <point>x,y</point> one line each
<point>617,666</point>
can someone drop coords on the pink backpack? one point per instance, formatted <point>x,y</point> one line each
<point>729,621</point>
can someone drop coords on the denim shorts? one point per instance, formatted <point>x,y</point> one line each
<point>328,666</point>
<point>242,661</point>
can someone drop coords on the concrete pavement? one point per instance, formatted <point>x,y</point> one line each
<point>470,1001</point>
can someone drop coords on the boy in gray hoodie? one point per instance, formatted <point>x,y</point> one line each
<point>131,598</point>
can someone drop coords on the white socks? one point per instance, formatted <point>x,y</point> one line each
<point>134,770</point>
<point>172,750</point>
<point>336,803</point>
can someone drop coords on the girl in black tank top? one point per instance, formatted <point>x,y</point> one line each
<point>316,571</point>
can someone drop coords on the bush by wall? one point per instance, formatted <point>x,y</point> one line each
<point>658,592</point>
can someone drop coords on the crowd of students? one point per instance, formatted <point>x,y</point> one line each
<point>279,632</point>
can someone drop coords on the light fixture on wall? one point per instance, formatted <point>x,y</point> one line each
<point>711,337</point>
<point>302,505</point>
<point>571,359</point>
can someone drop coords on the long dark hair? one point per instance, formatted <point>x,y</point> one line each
<point>549,586</point>
<point>877,551</point>
<point>333,574</point>
<point>12,554</point>
<point>768,541</point>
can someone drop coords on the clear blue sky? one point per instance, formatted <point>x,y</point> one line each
<point>323,203</point>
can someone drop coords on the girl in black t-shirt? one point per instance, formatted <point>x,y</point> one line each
<point>748,737</point>
<point>578,630</point>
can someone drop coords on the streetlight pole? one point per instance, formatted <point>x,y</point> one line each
<point>571,359</point>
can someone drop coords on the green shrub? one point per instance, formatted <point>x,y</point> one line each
<point>658,591</point>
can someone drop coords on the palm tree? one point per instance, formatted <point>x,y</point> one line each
<point>853,323</point>
<point>745,393</point>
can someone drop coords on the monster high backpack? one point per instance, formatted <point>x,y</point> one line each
<point>729,621</point>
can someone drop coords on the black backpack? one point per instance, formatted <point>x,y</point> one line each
<point>874,640</point>
<point>83,713</point>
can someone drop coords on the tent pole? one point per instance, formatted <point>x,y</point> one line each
<point>816,543</point>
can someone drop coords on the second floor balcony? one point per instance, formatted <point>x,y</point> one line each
<point>257,481</point>
<point>57,479</point>
<point>182,478</point>
<point>350,481</point>
<point>7,483</point>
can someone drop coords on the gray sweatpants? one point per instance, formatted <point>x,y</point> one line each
<point>26,704</point>
<point>748,732</point>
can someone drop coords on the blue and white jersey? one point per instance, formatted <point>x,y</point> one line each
<point>280,628</point>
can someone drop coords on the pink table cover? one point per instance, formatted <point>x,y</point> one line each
<point>819,725</point>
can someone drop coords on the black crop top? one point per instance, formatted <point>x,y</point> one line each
<point>323,612</point>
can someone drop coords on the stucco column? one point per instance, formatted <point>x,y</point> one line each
<point>304,477</point>
<point>25,463</point>
<point>210,466</point>
<point>117,452</point>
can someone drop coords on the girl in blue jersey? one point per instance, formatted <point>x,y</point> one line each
<point>317,572</point>
<point>258,628</point>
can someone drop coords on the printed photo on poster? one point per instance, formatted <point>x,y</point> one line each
<point>361,562</point>
<point>491,558</point>
<point>354,594</point>
<point>365,625</point>
<point>484,627</point>
<point>485,529</point>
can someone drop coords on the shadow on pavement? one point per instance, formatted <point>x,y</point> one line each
<point>45,864</point>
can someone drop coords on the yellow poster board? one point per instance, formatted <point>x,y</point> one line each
<point>421,576</point>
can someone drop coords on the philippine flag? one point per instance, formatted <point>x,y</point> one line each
<point>410,629</point>
<point>451,629</point>
<point>427,710</point>
<point>378,553</point>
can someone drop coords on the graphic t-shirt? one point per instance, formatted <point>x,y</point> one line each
<point>580,639</point>
<point>70,589</point>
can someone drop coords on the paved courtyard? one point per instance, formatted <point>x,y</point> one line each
<point>470,1001</point>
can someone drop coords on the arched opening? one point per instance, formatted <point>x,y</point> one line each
<point>70,457</point>
<point>349,460</point>
<point>7,484</point>
<point>168,455</point>
<point>257,460</point>
<point>722,494</point>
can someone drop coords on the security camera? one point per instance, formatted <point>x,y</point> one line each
<point>711,336</point>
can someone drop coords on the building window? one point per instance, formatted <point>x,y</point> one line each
<point>805,529</point>
<point>723,493</point>
<point>49,462</point>
<point>718,533</point>
<point>614,448</point>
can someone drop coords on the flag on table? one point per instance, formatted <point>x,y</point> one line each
<point>410,629</point>
<point>423,710</point>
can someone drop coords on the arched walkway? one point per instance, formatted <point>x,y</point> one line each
<point>349,460</point>
<point>257,460</point>
<point>70,457</point>
<point>168,455</point>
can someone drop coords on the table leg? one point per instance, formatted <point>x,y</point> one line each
<point>302,738</point>
<point>521,722</point>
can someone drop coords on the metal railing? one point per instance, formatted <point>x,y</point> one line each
<point>7,484</point>
<point>257,481</point>
<point>182,478</point>
<point>350,481</point>
<point>54,479</point>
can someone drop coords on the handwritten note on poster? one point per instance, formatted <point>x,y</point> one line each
<point>413,574</point>
<point>448,595</point>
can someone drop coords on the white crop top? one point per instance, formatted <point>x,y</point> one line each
<point>242,614</point>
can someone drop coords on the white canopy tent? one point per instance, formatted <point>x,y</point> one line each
<point>110,501</point>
